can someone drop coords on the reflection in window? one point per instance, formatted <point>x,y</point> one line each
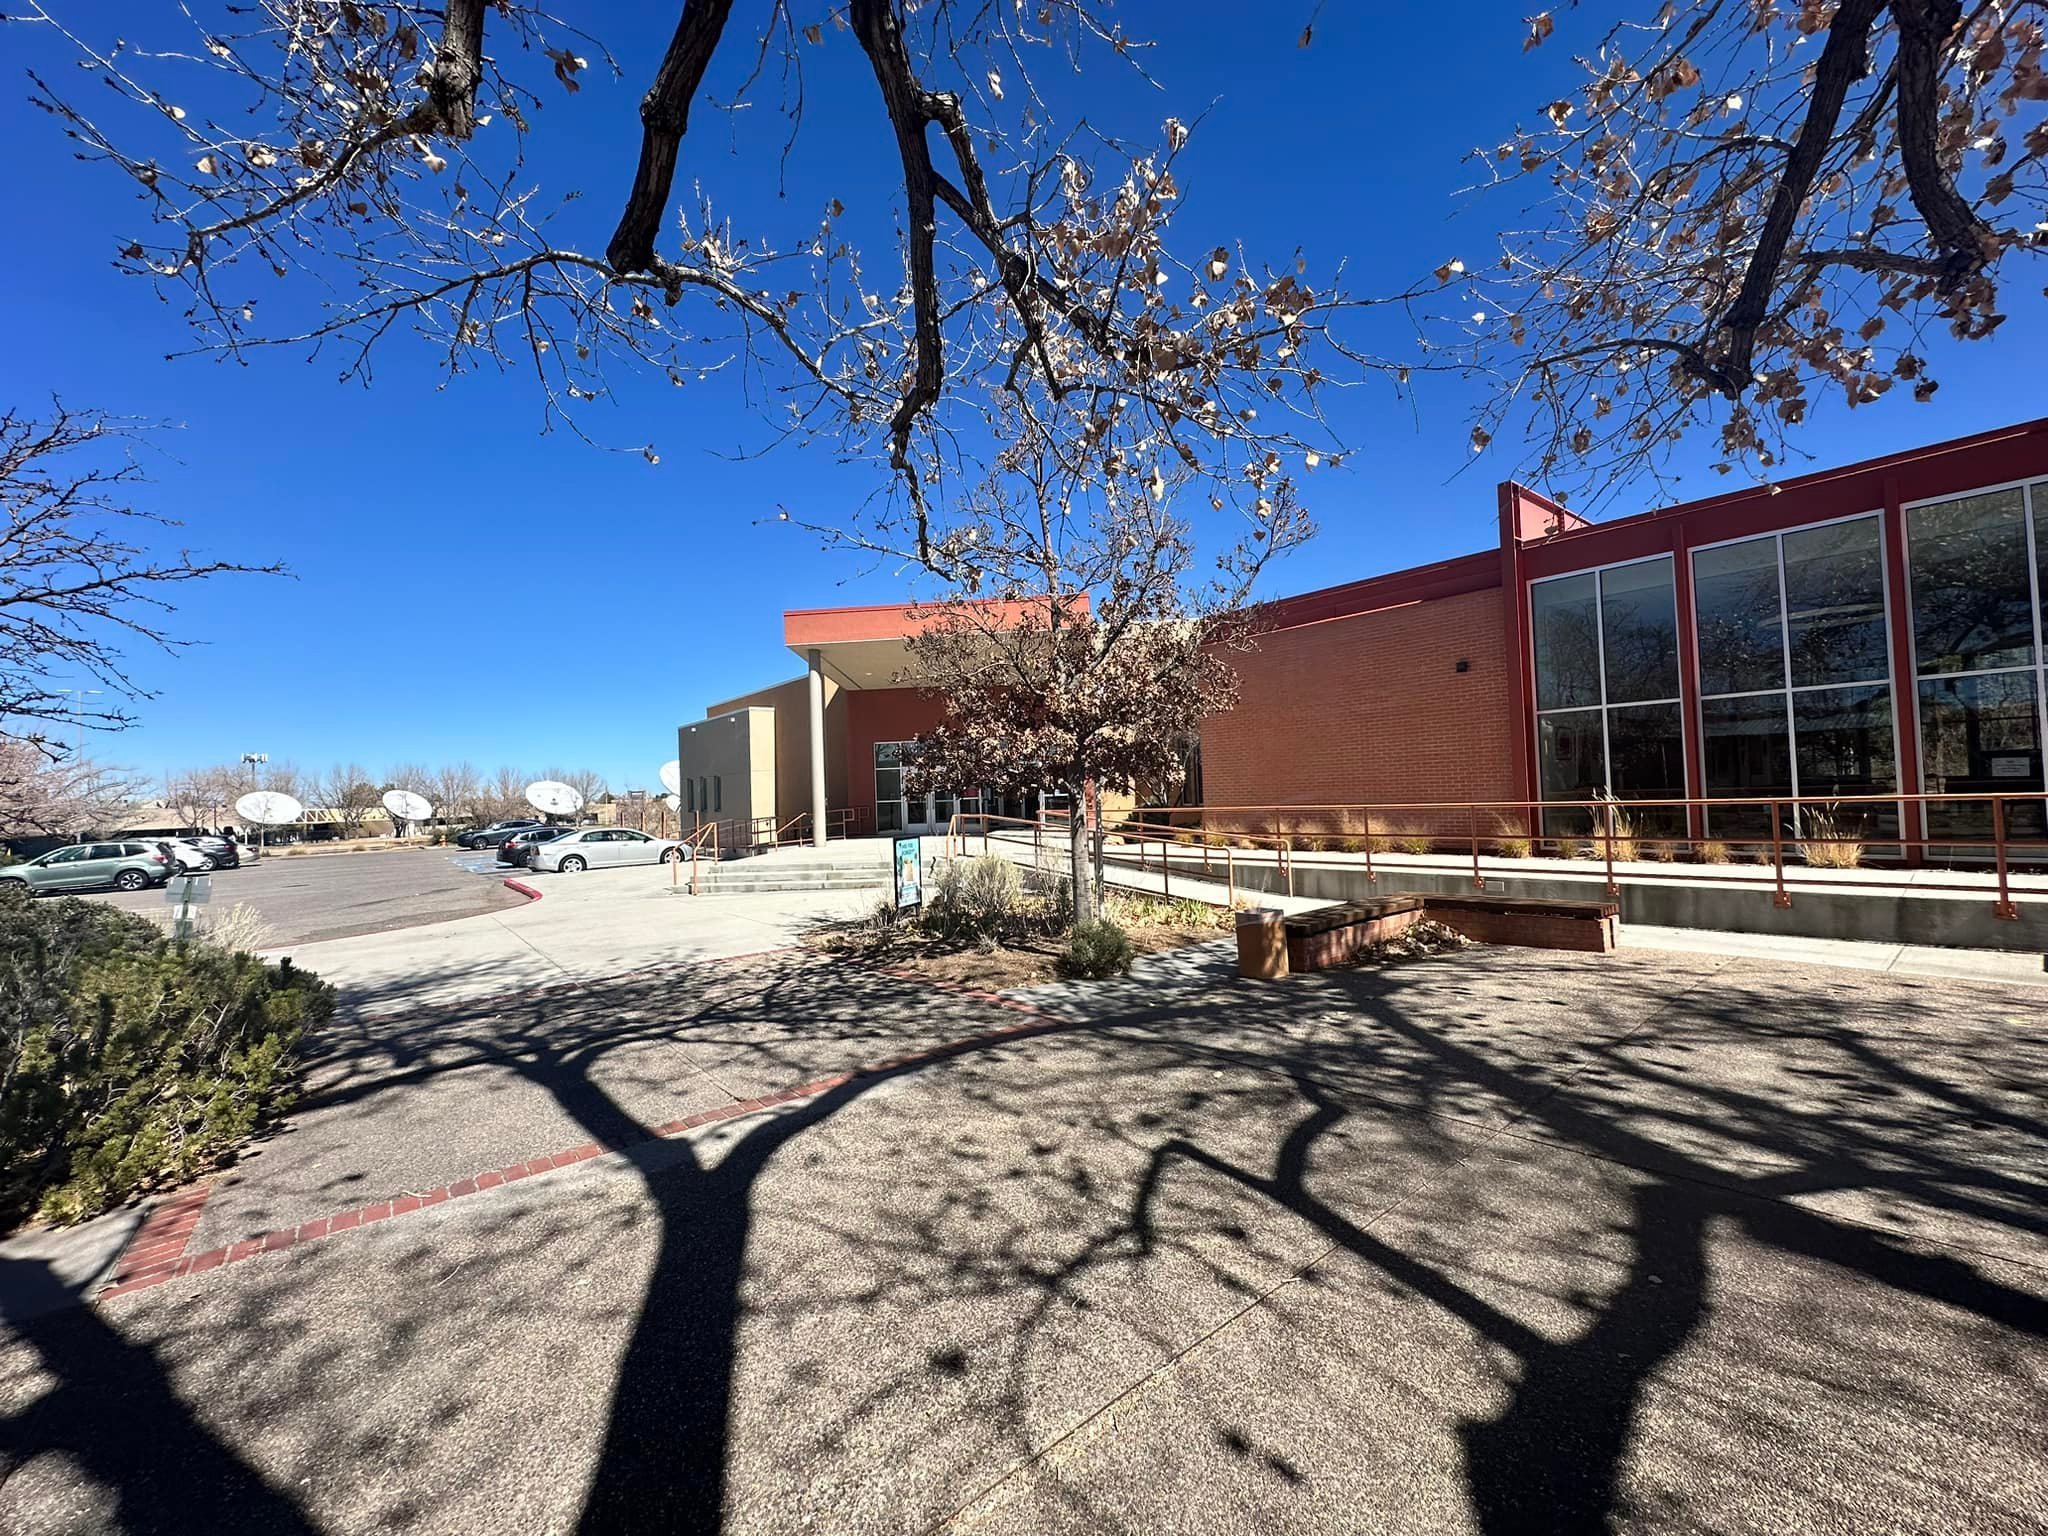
<point>1607,638</point>
<point>1646,761</point>
<point>1834,603</point>
<point>1845,748</point>
<point>1565,618</point>
<point>1639,632</point>
<point>1740,621</point>
<point>1748,754</point>
<point>1981,736</point>
<point>1571,755</point>
<point>1972,610</point>
<point>1795,676</point>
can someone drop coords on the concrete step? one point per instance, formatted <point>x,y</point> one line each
<point>789,888</point>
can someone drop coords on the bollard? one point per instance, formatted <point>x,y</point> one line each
<point>1262,944</point>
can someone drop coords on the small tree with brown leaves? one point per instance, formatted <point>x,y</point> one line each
<point>1749,204</point>
<point>1098,636</point>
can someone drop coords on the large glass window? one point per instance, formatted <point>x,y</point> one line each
<point>1740,619</point>
<point>1980,598</point>
<point>1972,607</point>
<point>1566,619</point>
<point>1795,678</point>
<point>1608,720</point>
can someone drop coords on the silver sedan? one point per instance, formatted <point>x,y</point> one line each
<point>601,847</point>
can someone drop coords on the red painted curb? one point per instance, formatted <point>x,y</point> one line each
<point>162,1263</point>
<point>524,889</point>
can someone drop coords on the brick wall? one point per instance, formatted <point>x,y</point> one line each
<point>1370,708</point>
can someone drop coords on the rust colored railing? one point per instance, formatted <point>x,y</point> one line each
<point>1806,835</point>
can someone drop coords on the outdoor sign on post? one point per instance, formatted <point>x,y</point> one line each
<point>909,872</point>
<point>182,893</point>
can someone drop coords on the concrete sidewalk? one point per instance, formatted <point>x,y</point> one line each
<point>584,927</point>
<point>1631,1242</point>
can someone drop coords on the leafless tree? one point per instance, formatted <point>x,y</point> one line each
<point>77,575</point>
<point>1749,204</point>
<point>456,791</point>
<point>68,794</point>
<point>505,794</point>
<point>389,145</point>
<point>350,796</point>
<point>203,797</point>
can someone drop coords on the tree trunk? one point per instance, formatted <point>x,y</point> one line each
<point>1078,863</point>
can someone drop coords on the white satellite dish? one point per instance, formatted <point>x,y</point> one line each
<point>672,777</point>
<point>269,808</point>
<point>673,802</point>
<point>553,797</point>
<point>404,805</point>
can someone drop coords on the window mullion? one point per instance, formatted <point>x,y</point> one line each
<point>1785,678</point>
<point>1600,656</point>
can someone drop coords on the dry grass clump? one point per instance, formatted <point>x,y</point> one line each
<point>1831,840</point>
<point>1714,851</point>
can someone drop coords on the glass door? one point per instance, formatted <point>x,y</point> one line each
<point>890,811</point>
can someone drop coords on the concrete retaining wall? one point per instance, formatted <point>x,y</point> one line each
<point>1957,920</point>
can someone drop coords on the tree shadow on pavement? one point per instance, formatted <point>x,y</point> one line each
<point>1122,1189</point>
<point>112,1410</point>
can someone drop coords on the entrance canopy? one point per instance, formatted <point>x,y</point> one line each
<point>864,647</point>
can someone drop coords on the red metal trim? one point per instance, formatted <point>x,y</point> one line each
<point>1692,732</point>
<point>1514,596</point>
<point>1396,589</point>
<point>1905,686</point>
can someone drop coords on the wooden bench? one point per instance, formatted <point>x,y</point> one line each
<point>1331,936</point>
<point>1531,922</point>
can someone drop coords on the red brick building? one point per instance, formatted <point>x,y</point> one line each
<point>1871,629</point>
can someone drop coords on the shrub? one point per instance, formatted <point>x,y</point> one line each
<point>973,898</point>
<point>1714,851</point>
<point>1414,842</point>
<point>1354,845</point>
<point>1095,949</point>
<point>1315,844</point>
<point>128,1060</point>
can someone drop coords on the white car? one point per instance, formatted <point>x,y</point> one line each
<point>190,858</point>
<point>600,847</point>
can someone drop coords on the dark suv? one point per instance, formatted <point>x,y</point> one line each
<point>495,834</point>
<point>518,848</point>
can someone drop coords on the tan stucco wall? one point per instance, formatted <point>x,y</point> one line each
<point>729,761</point>
<point>791,703</point>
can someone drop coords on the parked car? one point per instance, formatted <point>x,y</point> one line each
<point>495,834</point>
<point>84,866</point>
<point>227,853</point>
<point>600,847</point>
<point>190,855</point>
<point>518,847</point>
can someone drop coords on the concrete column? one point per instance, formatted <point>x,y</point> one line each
<point>817,675</point>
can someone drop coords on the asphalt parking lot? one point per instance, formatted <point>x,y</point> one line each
<point>309,897</point>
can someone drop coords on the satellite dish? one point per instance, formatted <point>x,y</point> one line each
<point>269,808</point>
<point>673,802</point>
<point>672,777</point>
<point>553,797</point>
<point>404,805</point>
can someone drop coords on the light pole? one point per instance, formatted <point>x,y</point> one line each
<point>256,760</point>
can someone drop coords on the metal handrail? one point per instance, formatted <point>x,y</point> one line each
<point>1607,829</point>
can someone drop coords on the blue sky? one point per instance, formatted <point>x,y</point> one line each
<point>469,588</point>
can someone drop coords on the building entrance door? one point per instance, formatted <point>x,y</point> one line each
<point>898,813</point>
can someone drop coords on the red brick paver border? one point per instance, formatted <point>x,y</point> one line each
<point>156,1253</point>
